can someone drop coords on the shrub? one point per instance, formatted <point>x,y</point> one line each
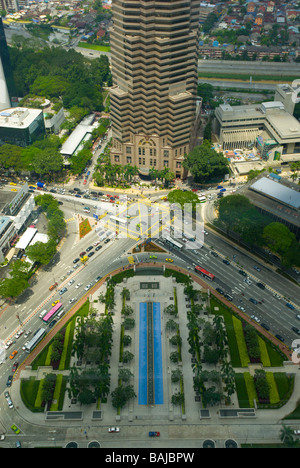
<point>274,395</point>
<point>264,355</point>
<point>252,395</point>
<point>238,328</point>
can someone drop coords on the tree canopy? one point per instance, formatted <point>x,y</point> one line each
<point>205,163</point>
<point>55,72</point>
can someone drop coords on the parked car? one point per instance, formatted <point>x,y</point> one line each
<point>154,434</point>
<point>242,272</point>
<point>290,306</point>
<point>261,285</point>
<point>227,262</point>
<point>62,291</point>
<point>113,429</point>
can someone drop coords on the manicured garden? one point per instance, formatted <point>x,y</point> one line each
<point>35,394</point>
<point>84,228</point>
<point>247,346</point>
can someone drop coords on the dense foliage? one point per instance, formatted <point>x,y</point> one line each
<point>55,72</point>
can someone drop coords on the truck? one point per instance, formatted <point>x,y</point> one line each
<point>40,185</point>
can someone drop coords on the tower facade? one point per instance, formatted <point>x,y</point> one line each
<point>7,86</point>
<point>154,45</point>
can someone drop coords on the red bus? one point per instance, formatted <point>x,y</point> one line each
<point>204,273</point>
<point>52,312</point>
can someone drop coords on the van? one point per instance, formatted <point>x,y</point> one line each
<point>52,286</point>
<point>42,314</point>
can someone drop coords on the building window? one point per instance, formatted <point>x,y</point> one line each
<point>128,159</point>
<point>166,153</point>
<point>166,163</point>
<point>140,160</point>
<point>117,158</point>
<point>128,149</point>
<point>178,165</point>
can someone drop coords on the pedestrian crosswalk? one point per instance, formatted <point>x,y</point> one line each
<point>68,220</point>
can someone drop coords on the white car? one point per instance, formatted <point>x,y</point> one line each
<point>113,429</point>
<point>27,334</point>
<point>8,344</point>
<point>255,318</point>
<point>88,286</point>
<point>71,282</point>
<point>297,431</point>
<point>246,280</point>
<point>72,300</point>
<point>10,403</point>
<point>19,333</point>
<point>78,285</point>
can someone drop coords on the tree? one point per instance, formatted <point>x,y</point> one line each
<point>278,237</point>
<point>232,209</point>
<point>177,399</point>
<point>205,163</point>
<point>42,252</point>
<point>121,395</point>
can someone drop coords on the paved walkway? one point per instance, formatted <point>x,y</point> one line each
<point>189,427</point>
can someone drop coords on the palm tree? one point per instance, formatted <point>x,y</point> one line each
<point>287,435</point>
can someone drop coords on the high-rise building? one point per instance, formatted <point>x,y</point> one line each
<point>7,86</point>
<point>154,45</point>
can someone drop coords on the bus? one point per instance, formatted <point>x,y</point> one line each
<point>121,221</point>
<point>172,243</point>
<point>205,273</point>
<point>202,199</point>
<point>49,316</point>
<point>39,334</point>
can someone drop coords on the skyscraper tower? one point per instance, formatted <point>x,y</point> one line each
<point>154,45</point>
<point>7,86</point>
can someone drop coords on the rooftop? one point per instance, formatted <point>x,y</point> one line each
<point>277,191</point>
<point>18,117</point>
